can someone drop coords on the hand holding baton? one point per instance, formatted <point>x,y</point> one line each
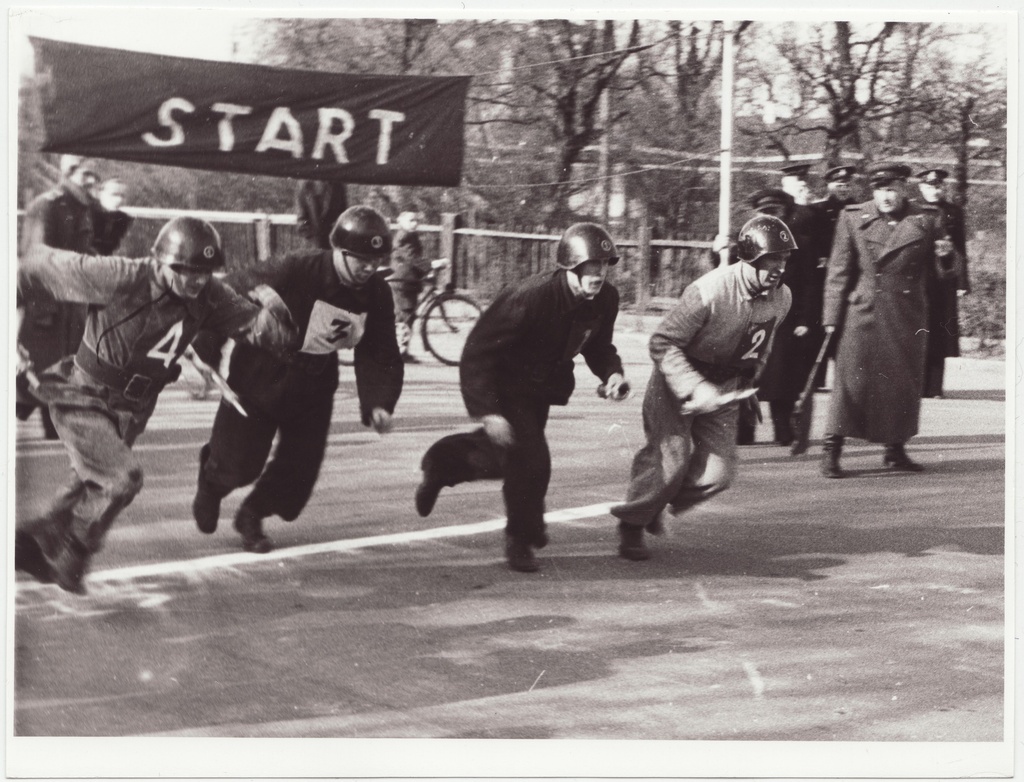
<point>619,391</point>
<point>25,367</point>
<point>226,392</point>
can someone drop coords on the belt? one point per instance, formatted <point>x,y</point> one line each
<point>132,386</point>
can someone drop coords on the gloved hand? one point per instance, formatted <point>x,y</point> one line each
<point>498,430</point>
<point>273,328</point>
<point>616,388</point>
<point>381,420</point>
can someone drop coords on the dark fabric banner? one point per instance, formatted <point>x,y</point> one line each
<point>174,111</point>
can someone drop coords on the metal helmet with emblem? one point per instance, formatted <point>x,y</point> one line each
<point>584,242</point>
<point>762,235</point>
<point>191,242</point>
<point>361,230</point>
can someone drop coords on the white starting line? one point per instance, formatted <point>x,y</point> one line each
<point>220,561</point>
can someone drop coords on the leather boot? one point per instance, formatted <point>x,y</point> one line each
<point>631,543</point>
<point>206,503</point>
<point>832,449</point>
<point>896,459</point>
<point>520,555</point>
<point>250,527</point>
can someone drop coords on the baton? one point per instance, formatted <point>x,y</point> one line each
<point>28,371</point>
<point>226,392</point>
<point>727,398</point>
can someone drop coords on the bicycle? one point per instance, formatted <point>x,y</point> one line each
<point>445,319</point>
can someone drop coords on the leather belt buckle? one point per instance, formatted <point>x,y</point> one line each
<point>137,387</point>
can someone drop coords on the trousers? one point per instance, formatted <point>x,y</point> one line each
<point>525,466</point>
<point>686,459</point>
<point>239,447</point>
<point>105,474</point>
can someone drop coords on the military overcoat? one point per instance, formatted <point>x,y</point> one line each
<point>875,292</point>
<point>60,218</point>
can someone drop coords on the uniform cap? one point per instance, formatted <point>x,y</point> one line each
<point>933,176</point>
<point>885,173</point>
<point>770,196</point>
<point>840,174</point>
<point>796,169</point>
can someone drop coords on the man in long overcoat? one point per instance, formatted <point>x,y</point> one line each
<point>787,366</point>
<point>945,286</point>
<point>51,329</point>
<point>875,290</point>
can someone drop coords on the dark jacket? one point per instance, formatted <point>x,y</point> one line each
<point>330,315</point>
<point>525,343</point>
<point>790,362</point>
<point>317,207</point>
<point>60,218</point>
<point>109,229</point>
<point>876,291</point>
<point>943,305</point>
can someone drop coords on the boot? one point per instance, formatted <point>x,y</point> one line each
<point>29,558</point>
<point>250,527</point>
<point>206,504</point>
<point>520,556</point>
<point>781,413</point>
<point>896,459</point>
<point>833,447</point>
<point>70,565</point>
<point>631,543</point>
<point>427,491</point>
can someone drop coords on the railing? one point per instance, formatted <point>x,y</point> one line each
<point>484,260</point>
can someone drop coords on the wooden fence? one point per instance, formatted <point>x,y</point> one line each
<point>650,270</point>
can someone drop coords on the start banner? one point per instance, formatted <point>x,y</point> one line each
<point>218,116</point>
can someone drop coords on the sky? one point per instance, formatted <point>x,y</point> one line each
<point>205,34</point>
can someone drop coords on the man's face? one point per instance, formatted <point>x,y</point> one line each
<point>408,221</point>
<point>889,197</point>
<point>112,196</point>
<point>355,270</point>
<point>931,192</point>
<point>85,175</point>
<point>797,187</point>
<point>841,190</point>
<point>769,269</point>
<point>591,276</point>
<point>186,282</point>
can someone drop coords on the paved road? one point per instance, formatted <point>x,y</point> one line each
<point>790,608</point>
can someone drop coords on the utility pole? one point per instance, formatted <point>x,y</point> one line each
<point>725,143</point>
<point>604,156</point>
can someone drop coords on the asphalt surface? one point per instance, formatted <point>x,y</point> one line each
<point>791,608</point>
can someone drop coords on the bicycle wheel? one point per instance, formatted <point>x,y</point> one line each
<point>446,324</point>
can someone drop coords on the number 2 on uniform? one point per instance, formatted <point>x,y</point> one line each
<point>171,340</point>
<point>756,339</point>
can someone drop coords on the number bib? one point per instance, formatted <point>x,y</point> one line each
<point>751,348</point>
<point>331,328</point>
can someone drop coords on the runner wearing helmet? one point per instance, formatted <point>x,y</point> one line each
<point>713,343</point>
<point>143,314</point>
<point>518,361</point>
<point>337,301</point>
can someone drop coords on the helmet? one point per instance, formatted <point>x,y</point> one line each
<point>762,235</point>
<point>584,242</point>
<point>362,230</point>
<point>191,242</point>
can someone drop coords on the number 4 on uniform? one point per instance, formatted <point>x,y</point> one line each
<point>170,340</point>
